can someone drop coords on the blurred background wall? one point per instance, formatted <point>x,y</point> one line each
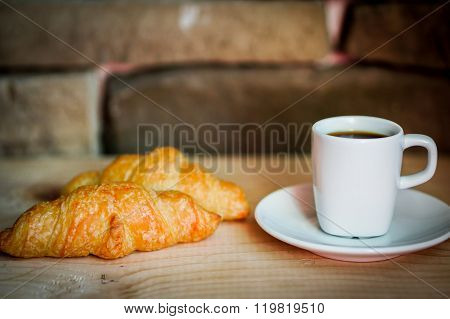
<point>78,77</point>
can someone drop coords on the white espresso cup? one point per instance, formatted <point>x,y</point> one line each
<point>356,180</point>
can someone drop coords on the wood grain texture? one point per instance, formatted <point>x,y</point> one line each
<point>239,261</point>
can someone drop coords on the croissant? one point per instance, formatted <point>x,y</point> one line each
<point>167,169</point>
<point>109,221</point>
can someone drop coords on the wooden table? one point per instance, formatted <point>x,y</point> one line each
<point>239,261</point>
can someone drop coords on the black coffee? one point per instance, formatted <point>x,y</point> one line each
<point>358,134</point>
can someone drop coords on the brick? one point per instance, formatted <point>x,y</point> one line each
<point>53,113</point>
<point>159,33</point>
<point>426,44</point>
<point>201,95</point>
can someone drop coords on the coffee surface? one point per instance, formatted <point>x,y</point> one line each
<point>357,134</point>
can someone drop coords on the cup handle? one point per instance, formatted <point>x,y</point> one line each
<point>425,175</point>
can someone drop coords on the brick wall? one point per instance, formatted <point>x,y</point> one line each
<point>78,77</point>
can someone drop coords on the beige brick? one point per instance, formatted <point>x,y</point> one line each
<point>155,32</point>
<point>253,95</point>
<point>45,114</point>
<point>426,44</point>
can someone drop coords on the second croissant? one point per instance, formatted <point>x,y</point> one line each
<point>166,168</point>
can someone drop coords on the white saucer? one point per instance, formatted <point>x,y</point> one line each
<point>420,221</point>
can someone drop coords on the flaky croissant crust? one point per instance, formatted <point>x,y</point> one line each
<point>108,220</point>
<point>167,169</point>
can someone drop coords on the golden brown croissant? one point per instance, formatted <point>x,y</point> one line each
<point>109,221</point>
<point>86,178</point>
<point>167,169</point>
